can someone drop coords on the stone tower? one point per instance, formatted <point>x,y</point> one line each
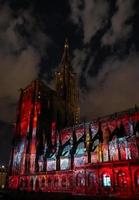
<point>67,89</point>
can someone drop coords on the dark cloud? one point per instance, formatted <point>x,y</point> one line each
<point>109,73</point>
<point>121,25</point>
<point>91,14</point>
<point>19,56</point>
<point>114,89</point>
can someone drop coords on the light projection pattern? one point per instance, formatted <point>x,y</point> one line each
<point>66,150</point>
<point>22,166</point>
<point>40,163</point>
<point>122,144</point>
<point>53,133</point>
<point>94,129</point>
<point>134,117</point>
<point>124,121</point>
<point>128,121</point>
<point>111,125</point>
<point>105,152</point>
<point>78,161</point>
<point>80,157</point>
<point>80,149</point>
<point>94,157</point>
<point>32,163</point>
<point>26,108</point>
<point>66,135</point>
<point>113,149</point>
<point>18,156</point>
<point>133,147</point>
<point>51,164</point>
<point>95,143</point>
<point>33,139</point>
<point>64,163</point>
<point>128,125</point>
<point>80,131</point>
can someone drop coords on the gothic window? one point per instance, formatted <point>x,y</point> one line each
<point>40,163</point>
<point>106,180</point>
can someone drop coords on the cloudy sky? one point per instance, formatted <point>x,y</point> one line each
<point>104,46</point>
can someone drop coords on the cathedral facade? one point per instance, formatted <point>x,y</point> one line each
<point>53,152</point>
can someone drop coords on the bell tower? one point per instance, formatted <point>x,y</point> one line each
<point>67,89</point>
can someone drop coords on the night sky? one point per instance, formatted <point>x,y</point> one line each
<point>104,47</point>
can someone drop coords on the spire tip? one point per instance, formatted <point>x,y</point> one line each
<point>66,45</point>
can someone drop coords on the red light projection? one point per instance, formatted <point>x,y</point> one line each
<point>53,133</point>
<point>96,158</point>
<point>94,129</point>
<point>13,182</point>
<point>66,135</point>
<point>80,131</point>
<point>25,116</point>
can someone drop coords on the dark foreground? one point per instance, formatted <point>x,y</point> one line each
<point>20,195</point>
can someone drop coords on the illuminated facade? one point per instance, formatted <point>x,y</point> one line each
<point>38,112</point>
<point>96,158</point>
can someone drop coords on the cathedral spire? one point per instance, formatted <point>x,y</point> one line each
<point>66,87</point>
<point>65,57</point>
